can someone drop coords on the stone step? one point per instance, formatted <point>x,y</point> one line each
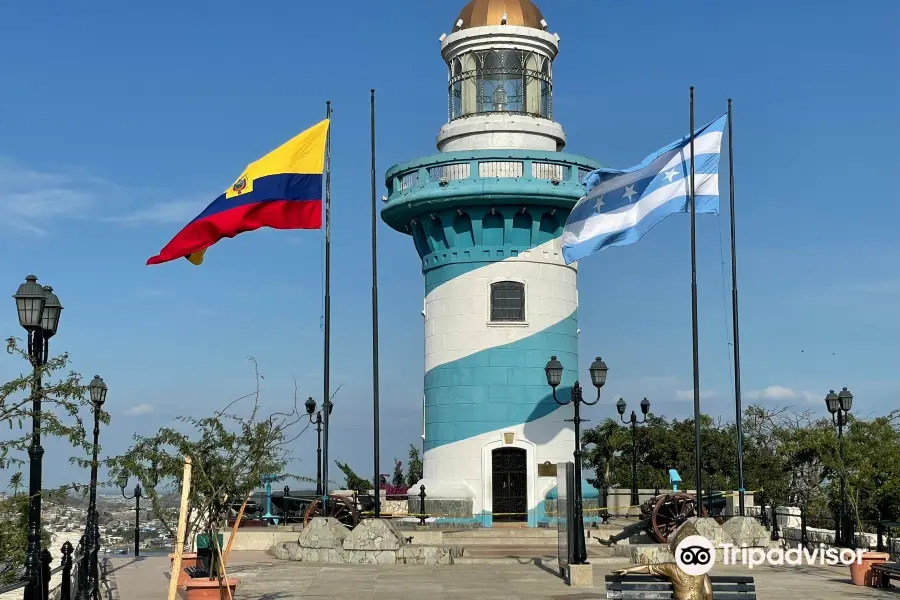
<point>524,532</point>
<point>545,561</point>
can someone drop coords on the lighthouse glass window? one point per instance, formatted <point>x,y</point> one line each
<point>508,302</point>
<point>500,80</point>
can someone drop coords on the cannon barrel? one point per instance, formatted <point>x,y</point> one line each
<point>641,526</point>
<point>714,502</point>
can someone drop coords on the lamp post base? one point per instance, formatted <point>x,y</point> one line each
<point>581,576</point>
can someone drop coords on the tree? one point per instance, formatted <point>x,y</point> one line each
<point>230,454</point>
<point>354,482</point>
<point>63,400</point>
<point>608,439</point>
<point>413,467</point>
<point>397,479</point>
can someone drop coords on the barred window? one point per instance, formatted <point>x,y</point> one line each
<point>507,301</point>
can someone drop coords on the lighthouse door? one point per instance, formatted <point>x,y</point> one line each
<point>510,486</point>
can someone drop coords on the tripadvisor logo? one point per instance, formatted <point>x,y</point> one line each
<point>794,557</point>
<point>696,555</point>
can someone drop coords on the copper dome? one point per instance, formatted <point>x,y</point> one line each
<point>480,13</point>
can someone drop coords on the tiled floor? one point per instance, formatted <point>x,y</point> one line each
<point>263,578</point>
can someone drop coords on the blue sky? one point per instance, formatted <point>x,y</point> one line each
<point>121,121</point>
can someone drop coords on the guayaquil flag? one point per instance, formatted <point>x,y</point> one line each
<point>281,190</point>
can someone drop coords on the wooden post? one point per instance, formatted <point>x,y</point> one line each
<point>182,526</point>
<point>223,574</point>
<point>234,529</point>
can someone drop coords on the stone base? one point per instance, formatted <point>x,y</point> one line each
<point>580,576</point>
<point>428,555</point>
<point>746,531</point>
<point>704,527</point>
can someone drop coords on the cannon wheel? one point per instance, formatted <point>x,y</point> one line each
<point>339,507</point>
<point>670,512</point>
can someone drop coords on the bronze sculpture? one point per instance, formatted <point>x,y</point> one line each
<point>685,587</point>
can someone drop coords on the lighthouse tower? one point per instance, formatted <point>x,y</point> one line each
<point>486,214</point>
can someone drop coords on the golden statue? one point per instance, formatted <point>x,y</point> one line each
<point>685,587</point>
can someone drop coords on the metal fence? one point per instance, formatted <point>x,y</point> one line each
<point>70,561</point>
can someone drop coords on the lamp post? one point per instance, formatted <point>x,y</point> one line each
<point>39,310</point>
<point>88,573</point>
<point>136,496</point>
<point>554,370</point>
<point>839,406</point>
<point>645,408</point>
<point>317,421</point>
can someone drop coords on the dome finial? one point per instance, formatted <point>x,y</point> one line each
<point>490,13</point>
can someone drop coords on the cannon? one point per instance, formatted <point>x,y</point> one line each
<point>663,514</point>
<point>342,508</point>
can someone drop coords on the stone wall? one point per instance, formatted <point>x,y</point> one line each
<point>373,541</point>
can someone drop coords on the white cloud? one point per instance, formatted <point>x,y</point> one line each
<point>32,200</point>
<point>689,394</point>
<point>29,198</point>
<point>175,212</point>
<point>779,393</point>
<point>139,410</point>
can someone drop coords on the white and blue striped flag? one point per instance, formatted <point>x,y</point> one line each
<point>620,206</point>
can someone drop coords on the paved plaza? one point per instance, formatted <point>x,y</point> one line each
<point>265,578</point>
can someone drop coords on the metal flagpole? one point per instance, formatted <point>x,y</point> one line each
<point>698,463</point>
<point>739,427</point>
<point>375,408</point>
<point>327,324</point>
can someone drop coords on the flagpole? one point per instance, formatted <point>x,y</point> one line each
<point>375,407</point>
<point>698,463</point>
<point>327,324</point>
<point>739,426</point>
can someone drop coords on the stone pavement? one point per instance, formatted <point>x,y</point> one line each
<point>264,578</point>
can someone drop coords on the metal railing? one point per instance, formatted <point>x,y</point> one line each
<point>68,569</point>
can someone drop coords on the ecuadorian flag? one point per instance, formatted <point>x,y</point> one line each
<point>281,190</point>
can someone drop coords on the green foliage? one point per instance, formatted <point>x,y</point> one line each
<point>230,455</point>
<point>607,440</point>
<point>789,458</point>
<point>872,467</point>
<point>353,481</point>
<point>413,467</point>
<point>397,478</point>
<point>63,403</point>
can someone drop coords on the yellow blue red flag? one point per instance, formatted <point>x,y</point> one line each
<point>281,190</point>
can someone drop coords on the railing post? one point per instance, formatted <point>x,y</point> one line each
<point>804,538</point>
<point>775,535</point>
<point>66,562</point>
<point>838,522</point>
<point>421,505</point>
<point>604,505</point>
<point>880,529</point>
<point>763,513</point>
<point>46,559</point>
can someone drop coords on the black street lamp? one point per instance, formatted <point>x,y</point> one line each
<point>645,408</point>
<point>839,406</point>
<point>39,310</point>
<point>136,496</point>
<point>554,370</point>
<point>89,576</point>
<point>317,421</point>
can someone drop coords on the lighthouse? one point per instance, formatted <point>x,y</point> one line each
<point>486,214</point>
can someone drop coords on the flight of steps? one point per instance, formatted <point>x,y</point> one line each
<point>519,546</point>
